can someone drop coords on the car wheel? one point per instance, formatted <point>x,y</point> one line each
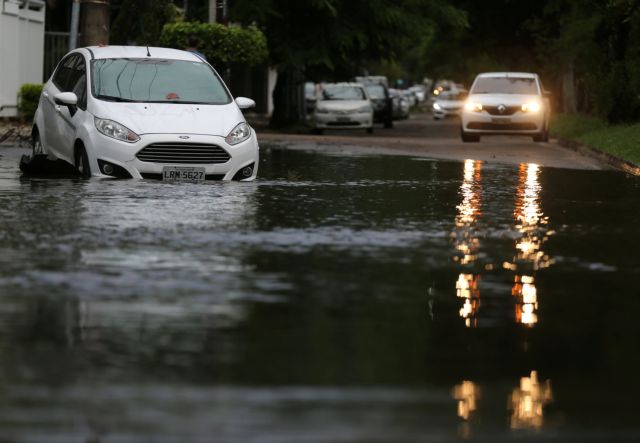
<point>82,162</point>
<point>388,124</point>
<point>469,138</point>
<point>542,137</point>
<point>36,145</point>
<point>370,130</point>
<point>316,131</point>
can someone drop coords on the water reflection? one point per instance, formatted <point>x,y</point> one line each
<point>527,402</point>
<point>467,242</point>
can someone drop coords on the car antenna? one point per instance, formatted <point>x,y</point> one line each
<point>148,53</point>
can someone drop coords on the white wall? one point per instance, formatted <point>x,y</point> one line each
<point>21,48</point>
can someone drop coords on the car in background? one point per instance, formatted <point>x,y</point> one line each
<point>400,104</point>
<point>512,103</point>
<point>448,104</point>
<point>309,97</point>
<point>343,106</point>
<point>420,92</point>
<point>140,112</point>
<point>378,88</point>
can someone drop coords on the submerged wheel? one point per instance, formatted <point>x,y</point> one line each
<point>36,145</point>
<point>82,162</point>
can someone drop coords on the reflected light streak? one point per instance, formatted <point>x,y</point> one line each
<point>527,402</point>
<point>467,394</point>
<point>467,289</point>
<point>526,294</point>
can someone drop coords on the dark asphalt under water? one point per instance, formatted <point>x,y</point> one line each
<point>335,299</point>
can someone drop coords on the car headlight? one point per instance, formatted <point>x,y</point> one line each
<point>115,130</point>
<point>238,134</point>
<point>473,107</point>
<point>437,107</point>
<point>365,108</point>
<point>532,107</point>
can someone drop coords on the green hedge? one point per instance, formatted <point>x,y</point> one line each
<point>222,45</point>
<point>28,98</point>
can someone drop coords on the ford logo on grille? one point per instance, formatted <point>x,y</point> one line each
<point>184,137</point>
<point>501,109</point>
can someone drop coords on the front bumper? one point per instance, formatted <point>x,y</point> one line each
<point>336,121</point>
<point>123,155</point>
<point>517,123</point>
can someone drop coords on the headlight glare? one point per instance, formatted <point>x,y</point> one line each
<point>473,107</point>
<point>115,130</point>
<point>532,107</point>
<point>437,107</point>
<point>239,134</point>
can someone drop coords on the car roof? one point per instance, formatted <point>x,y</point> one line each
<point>508,74</point>
<point>358,85</point>
<point>105,52</point>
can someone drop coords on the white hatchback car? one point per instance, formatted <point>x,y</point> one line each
<point>506,103</point>
<point>449,103</point>
<point>343,105</point>
<point>138,112</point>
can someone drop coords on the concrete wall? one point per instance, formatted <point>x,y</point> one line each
<point>21,49</point>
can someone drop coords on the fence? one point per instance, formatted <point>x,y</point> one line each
<point>56,45</point>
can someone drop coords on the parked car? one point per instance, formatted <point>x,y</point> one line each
<point>506,103</point>
<point>400,104</point>
<point>343,106</point>
<point>309,97</point>
<point>138,112</point>
<point>448,104</point>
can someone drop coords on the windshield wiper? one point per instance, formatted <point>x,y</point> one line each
<point>113,98</point>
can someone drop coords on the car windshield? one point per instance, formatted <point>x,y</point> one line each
<point>452,96</point>
<point>375,91</point>
<point>157,81</point>
<point>505,85</point>
<point>343,93</point>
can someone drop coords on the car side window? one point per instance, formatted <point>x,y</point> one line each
<point>78,82</point>
<point>62,74</point>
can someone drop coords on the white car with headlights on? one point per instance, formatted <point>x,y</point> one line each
<point>506,103</point>
<point>343,106</point>
<point>449,104</point>
<point>138,112</point>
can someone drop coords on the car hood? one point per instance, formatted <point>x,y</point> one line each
<point>171,118</point>
<point>503,99</point>
<point>341,105</point>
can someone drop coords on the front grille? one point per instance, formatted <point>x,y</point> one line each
<point>527,126</point>
<point>183,153</point>
<point>508,110</point>
<point>156,176</point>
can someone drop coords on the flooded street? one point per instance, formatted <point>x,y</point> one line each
<point>335,299</point>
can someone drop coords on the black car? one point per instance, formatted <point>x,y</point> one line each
<point>380,98</point>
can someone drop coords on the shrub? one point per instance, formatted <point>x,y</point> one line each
<point>222,45</point>
<point>28,98</point>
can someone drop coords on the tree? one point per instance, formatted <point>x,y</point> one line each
<point>323,39</point>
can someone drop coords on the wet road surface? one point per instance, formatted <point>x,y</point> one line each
<point>335,299</point>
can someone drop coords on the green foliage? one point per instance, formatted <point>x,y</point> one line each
<point>141,21</point>
<point>621,140</point>
<point>28,98</point>
<point>222,45</point>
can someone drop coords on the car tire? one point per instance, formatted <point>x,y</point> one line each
<point>37,148</point>
<point>316,131</point>
<point>82,162</point>
<point>542,137</point>
<point>370,130</point>
<point>388,124</point>
<point>469,138</point>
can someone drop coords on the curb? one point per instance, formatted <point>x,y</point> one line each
<point>610,159</point>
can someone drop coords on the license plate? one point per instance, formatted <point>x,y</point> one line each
<point>183,174</point>
<point>501,120</point>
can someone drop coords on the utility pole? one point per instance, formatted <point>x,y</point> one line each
<point>94,22</point>
<point>217,11</point>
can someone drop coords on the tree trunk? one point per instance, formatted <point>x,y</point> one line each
<point>94,23</point>
<point>569,102</point>
<point>288,99</point>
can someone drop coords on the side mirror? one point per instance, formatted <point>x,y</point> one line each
<point>245,103</point>
<point>66,99</point>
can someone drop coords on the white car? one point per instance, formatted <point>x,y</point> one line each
<point>448,104</point>
<point>343,105</point>
<point>506,103</point>
<point>138,112</point>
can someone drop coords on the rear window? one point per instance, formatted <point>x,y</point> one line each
<point>157,81</point>
<point>343,93</point>
<point>505,85</point>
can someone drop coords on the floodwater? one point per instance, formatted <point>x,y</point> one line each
<point>335,299</point>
